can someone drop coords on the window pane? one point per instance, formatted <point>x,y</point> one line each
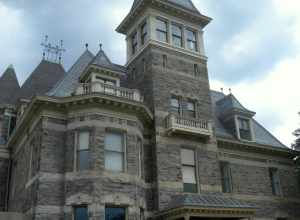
<point>191,106</point>
<point>81,213</point>
<point>83,160</point>
<point>114,161</point>
<point>191,35</point>
<point>112,213</point>
<point>177,41</point>
<point>161,36</point>
<point>190,187</point>
<point>84,139</point>
<point>114,142</point>
<point>175,102</point>
<point>176,30</point>
<point>161,25</point>
<point>188,174</point>
<point>226,178</point>
<point>187,157</point>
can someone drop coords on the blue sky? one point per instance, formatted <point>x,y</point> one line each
<point>253,46</point>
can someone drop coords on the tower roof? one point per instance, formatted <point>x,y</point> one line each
<point>42,79</point>
<point>9,86</point>
<point>186,4</point>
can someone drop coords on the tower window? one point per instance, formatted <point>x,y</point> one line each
<point>144,33</point>
<point>161,30</point>
<point>83,150</point>
<point>134,42</point>
<point>275,182</point>
<point>175,104</point>
<point>226,177</point>
<point>191,109</point>
<point>177,35</point>
<point>188,170</point>
<point>244,129</point>
<point>191,40</point>
<point>114,151</point>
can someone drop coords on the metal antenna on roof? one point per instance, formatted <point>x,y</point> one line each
<point>52,53</point>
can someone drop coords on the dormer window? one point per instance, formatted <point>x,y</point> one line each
<point>134,42</point>
<point>244,129</point>
<point>191,40</point>
<point>161,30</point>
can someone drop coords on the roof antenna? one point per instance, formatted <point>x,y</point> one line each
<point>52,53</point>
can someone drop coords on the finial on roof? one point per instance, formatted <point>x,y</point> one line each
<point>100,45</point>
<point>10,66</point>
<point>86,46</point>
<point>52,53</point>
<point>230,91</point>
<point>222,90</point>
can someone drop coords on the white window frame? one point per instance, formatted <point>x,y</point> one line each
<point>237,125</point>
<point>195,166</point>
<point>124,137</point>
<point>76,149</point>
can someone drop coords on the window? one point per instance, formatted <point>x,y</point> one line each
<point>188,170</point>
<point>191,40</point>
<point>144,33</point>
<point>275,181</point>
<point>81,213</point>
<point>196,70</point>
<point>114,152</point>
<point>165,61</point>
<point>8,126</point>
<point>83,150</point>
<point>106,81</point>
<point>161,30</point>
<point>134,42</point>
<point>244,128</point>
<point>175,104</point>
<point>177,35</point>
<point>226,177</point>
<point>191,109</point>
<point>115,213</point>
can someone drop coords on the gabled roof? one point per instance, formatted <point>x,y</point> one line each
<point>42,79</point>
<point>66,86</point>
<point>262,135</point>
<point>186,4</point>
<point>9,86</point>
<point>102,60</point>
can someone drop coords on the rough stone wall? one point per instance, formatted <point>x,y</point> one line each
<point>4,165</point>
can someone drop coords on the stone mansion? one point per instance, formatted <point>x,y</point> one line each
<point>145,141</point>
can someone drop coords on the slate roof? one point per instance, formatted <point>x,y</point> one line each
<point>9,86</point>
<point>208,201</point>
<point>186,4</point>
<point>102,60</point>
<point>42,79</point>
<point>262,135</point>
<point>66,86</point>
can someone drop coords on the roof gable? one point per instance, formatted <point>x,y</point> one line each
<point>9,86</point>
<point>42,79</point>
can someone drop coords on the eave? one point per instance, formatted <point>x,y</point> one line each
<point>63,104</point>
<point>131,17</point>
<point>255,147</point>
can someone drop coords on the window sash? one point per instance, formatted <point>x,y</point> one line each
<point>114,161</point>
<point>82,160</point>
<point>189,174</point>
<point>161,30</point>
<point>83,140</point>
<point>144,33</point>
<point>114,142</point>
<point>226,178</point>
<point>177,35</point>
<point>188,157</point>
<point>275,181</point>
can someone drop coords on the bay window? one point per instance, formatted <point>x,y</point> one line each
<point>114,151</point>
